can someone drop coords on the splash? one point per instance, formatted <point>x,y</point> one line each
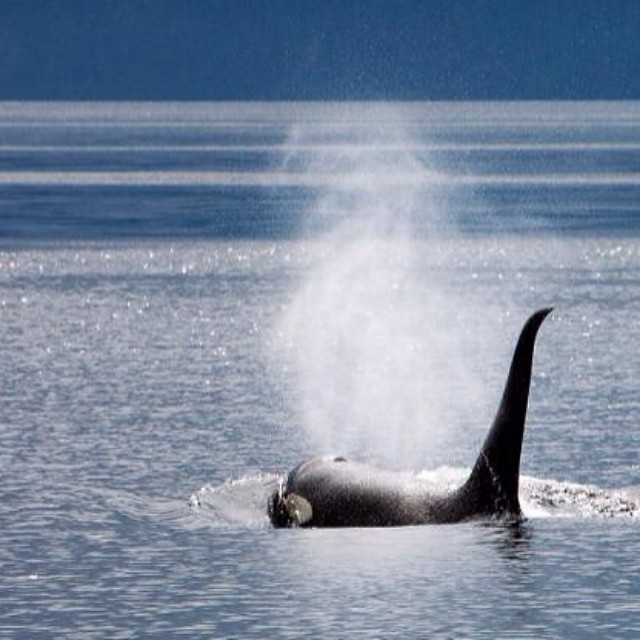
<point>551,498</point>
<point>234,503</point>
<point>373,333</point>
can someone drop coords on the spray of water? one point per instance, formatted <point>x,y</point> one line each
<point>372,335</point>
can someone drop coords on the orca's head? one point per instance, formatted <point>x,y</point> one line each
<point>289,509</point>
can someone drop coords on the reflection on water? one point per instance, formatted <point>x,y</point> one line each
<point>149,400</point>
<point>453,581</point>
<point>104,444</point>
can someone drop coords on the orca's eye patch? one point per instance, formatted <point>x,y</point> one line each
<point>299,509</point>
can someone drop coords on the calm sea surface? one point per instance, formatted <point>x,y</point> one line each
<point>193,298</point>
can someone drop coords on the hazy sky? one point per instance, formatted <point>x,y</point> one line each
<point>323,49</point>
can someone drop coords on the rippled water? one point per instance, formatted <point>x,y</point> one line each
<point>195,298</point>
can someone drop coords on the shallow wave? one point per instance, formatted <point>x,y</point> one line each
<point>543,498</point>
<point>327,179</point>
<point>234,503</point>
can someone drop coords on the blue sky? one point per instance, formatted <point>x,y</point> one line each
<point>322,50</point>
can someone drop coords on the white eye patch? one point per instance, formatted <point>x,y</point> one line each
<point>299,509</point>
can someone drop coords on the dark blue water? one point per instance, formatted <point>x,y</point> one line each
<point>196,297</point>
<point>75,171</point>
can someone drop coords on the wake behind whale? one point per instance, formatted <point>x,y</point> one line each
<point>335,492</point>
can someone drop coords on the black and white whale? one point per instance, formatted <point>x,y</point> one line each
<point>335,492</point>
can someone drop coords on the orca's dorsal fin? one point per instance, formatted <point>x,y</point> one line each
<point>492,487</point>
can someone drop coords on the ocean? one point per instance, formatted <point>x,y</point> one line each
<point>196,297</point>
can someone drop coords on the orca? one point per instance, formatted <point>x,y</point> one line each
<point>335,492</point>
